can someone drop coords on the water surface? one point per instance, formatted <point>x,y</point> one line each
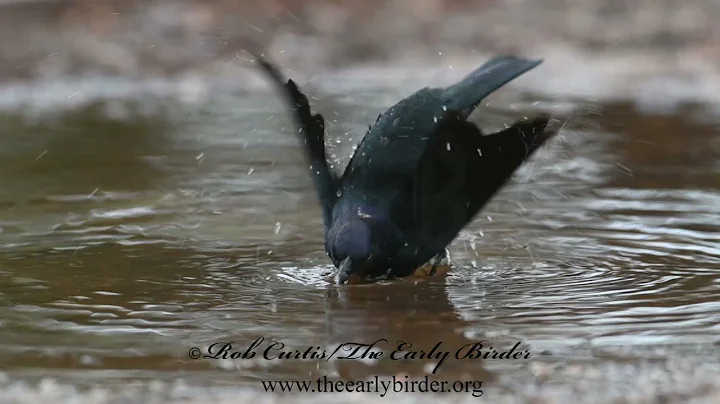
<point>133,230</point>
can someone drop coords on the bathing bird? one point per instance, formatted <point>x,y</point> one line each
<point>421,173</point>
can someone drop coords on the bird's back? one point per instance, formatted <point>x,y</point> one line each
<point>427,171</point>
<point>389,152</point>
<point>378,180</point>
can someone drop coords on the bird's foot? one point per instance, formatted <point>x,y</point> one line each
<point>353,279</point>
<point>438,265</point>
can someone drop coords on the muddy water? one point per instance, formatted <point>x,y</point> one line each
<point>130,234</point>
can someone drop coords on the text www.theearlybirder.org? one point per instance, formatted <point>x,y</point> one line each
<point>395,384</point>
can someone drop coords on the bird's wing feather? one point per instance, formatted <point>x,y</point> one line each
<point>503,153</point>
<point>461,170</point>
<point>312,129</point>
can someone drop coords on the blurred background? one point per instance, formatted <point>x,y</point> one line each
<point>609,47</point>
<point>153,197</point>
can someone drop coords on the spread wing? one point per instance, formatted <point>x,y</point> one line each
<point>312,129</point>
<point>461,170</point>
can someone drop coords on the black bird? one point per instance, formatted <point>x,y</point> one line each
<point>420,174</point>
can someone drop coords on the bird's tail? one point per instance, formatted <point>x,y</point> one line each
<point>467,94</point>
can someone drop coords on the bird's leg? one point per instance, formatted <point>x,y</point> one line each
<point>440,259</point>
<point>439,264</point>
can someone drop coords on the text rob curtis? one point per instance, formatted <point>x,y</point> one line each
<point>403,350</point>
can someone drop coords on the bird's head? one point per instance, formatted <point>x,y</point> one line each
<point>356,250</point>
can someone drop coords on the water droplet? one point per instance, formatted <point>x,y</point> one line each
<point>444,107</point>
<point>435,119</point>
<point>278,226</point>
<point>250,171</point>
<point>338,193</point>
<point>448,146</point>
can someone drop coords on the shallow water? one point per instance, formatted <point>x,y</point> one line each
<point>131,231</point>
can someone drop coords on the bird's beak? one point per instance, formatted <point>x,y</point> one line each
<point>344,271</point>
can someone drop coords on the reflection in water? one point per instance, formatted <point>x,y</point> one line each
<point>417,312</point>
<point>129,242</point>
